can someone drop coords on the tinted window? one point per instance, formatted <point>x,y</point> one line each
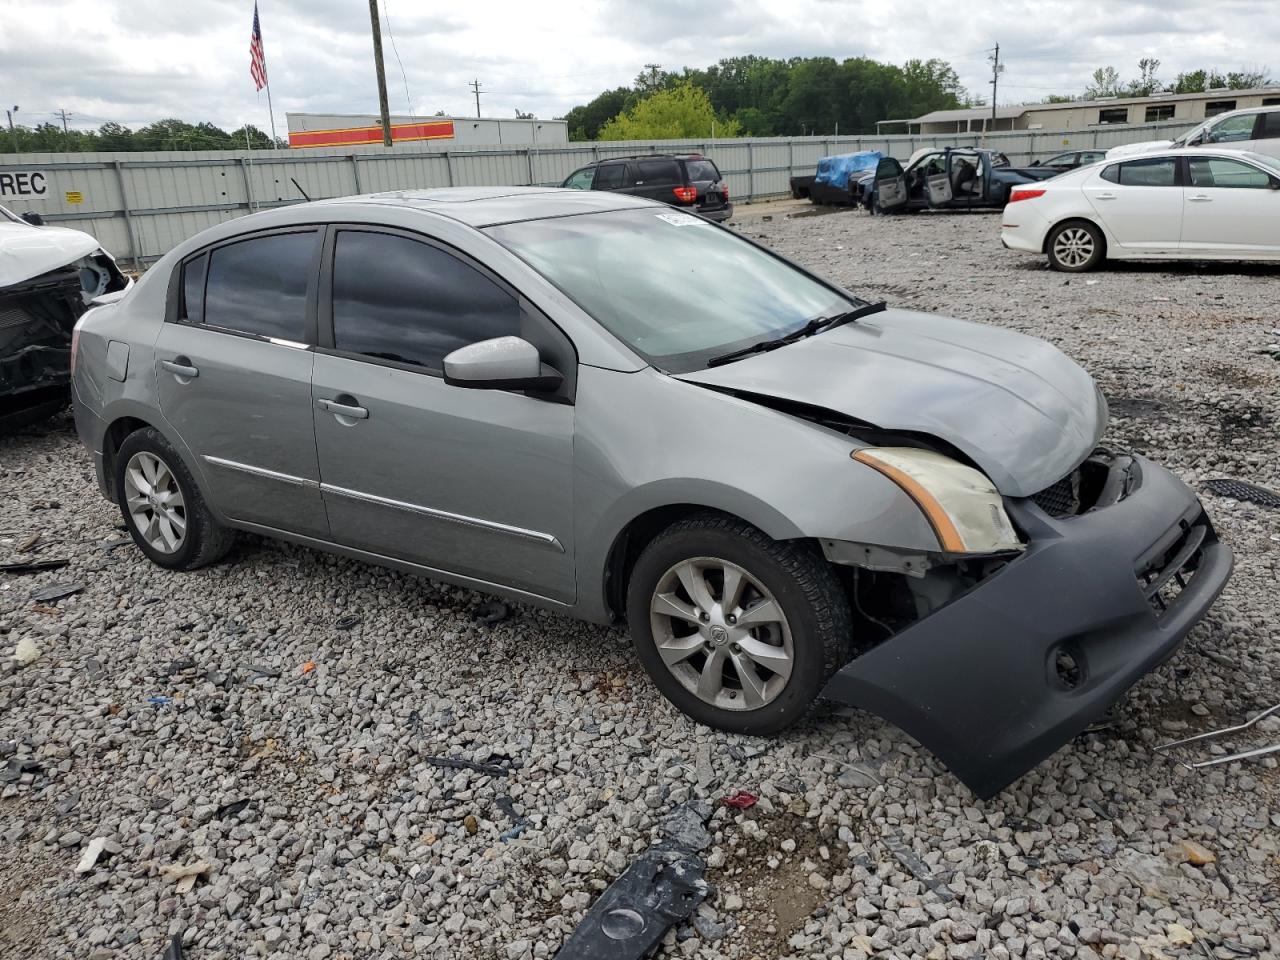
<point>1111,173</point>
<point>1114,115</point>
<point>658,171</point>
<point>1233,128</point>
<point>609,176</point>
<point>580,180</point>
<point>1270,127</point>
<point>260,286</point>
<point>700,170</point>
<point>398,299</point>
<point>1149,173</point>
<point>193,275</point>
<point>1219,172</point>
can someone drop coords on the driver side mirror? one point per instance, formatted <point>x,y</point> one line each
<point>33,218</point>
<point>503,363</point>
<point>1035,163</point>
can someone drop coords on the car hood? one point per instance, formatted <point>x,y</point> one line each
<point>1015,405</point>
<point>27,251</point>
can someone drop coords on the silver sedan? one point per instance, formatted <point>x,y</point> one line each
<point>600,405</point>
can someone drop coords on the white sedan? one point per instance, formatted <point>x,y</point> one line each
<point>1186,204</point>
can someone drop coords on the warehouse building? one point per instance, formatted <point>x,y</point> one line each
<point>347,130</point>
<point>1087,114</point>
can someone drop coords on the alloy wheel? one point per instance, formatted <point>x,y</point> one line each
<point>1073,247</point>
<point>721,633</point>
<point>155,503</point>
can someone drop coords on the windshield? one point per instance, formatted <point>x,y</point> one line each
<point>676,289</point>
<point>1193,133</point>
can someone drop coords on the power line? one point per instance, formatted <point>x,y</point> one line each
<point>392,37</point>
<point>63,114</point>
<point>475,86</point>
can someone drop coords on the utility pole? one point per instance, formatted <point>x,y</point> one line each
<point>63,114</point>
<point>995,79</point>
<point>382,74</point>
<point>475,87</point>
<point>13,137</point>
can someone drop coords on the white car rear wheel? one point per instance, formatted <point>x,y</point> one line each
<point>1075,246</point>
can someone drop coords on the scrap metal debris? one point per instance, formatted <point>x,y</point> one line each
<point>740,800</point>
<point>34,566</point>
<point>347,622</point>
<point>231,809</point>
<point>662,887</point>
<point>454,763</point>
<point>1225,731</point>
<point>917,867</point>
<point>1242,490</point>
<point>59,591</point>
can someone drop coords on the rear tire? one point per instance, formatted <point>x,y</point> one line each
<point>753,662</point>
<point>163,508</point>
<point>1075,246</point>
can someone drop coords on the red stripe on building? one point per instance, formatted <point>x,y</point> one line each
<point>352,136</point>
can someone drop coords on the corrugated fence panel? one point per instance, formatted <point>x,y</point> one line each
<point>139,205</point>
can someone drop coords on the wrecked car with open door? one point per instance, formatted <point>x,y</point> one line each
<point>948,179</point>
<point>48,277</point>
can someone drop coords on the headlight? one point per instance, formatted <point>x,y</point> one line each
<point>963,506</point>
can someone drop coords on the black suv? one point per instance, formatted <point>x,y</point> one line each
<point>683,180</point>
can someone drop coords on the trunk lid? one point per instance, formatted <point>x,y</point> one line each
<point>1015,405</point>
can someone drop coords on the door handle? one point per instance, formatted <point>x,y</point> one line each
<point>350,410</point>
<point>1104,196</point>
<point>181,367</point>
<point>1200,198</point>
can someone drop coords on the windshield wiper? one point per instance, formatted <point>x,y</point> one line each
<point>808,330</point>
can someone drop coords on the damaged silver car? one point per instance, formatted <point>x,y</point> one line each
<point>48,277</point>
<point>594,403</point>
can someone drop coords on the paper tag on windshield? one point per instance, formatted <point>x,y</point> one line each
<point>679,219</point>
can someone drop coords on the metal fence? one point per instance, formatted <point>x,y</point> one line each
<point>139,205</point>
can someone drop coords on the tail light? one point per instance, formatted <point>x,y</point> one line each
<point>724,189</point>
<point>1025,195</point>
<point>75,341</point>
<point>686,194</point>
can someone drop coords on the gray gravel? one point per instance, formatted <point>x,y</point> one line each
<point>172,722</point>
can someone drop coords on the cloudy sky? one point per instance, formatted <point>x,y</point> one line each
<point>140,60</point>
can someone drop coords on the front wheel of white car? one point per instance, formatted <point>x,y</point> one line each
<point>1075,246</point>
<point>739,631</point>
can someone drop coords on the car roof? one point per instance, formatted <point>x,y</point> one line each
<point>489,206</point>
<point>1187,152</point>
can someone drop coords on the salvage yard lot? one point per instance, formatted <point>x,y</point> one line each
<point>316,689</point>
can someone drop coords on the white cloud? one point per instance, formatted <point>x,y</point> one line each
<point>142,60</point>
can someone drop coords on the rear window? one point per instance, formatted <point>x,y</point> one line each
<point>1149,173</point>
<point>700,170</point>
<point>259,286</point>
<point>609,176</point>
<point>658,171</point>
<point>1270,126</point>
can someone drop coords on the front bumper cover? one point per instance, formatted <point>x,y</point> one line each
<point>978,682</point>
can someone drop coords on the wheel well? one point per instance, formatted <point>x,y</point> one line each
<point>111,441</point>
<point>632,540</point>
<point>1044,247</point>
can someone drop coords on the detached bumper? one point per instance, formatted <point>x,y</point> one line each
<point>998,679</point>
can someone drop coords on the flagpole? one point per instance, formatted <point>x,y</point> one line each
<point>266,75</point>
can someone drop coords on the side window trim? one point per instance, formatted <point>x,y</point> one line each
<point>325,339</point>
<point>175,312</point>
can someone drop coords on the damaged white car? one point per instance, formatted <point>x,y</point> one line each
<point>48,277</point>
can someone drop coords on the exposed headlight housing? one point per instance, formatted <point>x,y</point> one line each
<point>963,507</point>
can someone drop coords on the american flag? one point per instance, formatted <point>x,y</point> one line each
<point>257,59</point>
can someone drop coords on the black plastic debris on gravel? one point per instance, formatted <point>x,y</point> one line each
<point>59,591</point>
<point>1242,490</point>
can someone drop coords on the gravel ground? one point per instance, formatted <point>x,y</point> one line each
<point>179,717</point>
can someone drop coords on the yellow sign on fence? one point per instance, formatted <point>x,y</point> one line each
<point>74,196</point>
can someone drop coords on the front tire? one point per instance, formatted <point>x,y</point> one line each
<point>739,631</point>
<point>163,508</point>
<point>1075,246</point>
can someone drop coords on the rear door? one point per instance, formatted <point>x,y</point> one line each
<point>233,373</point>
<point>1231,208</point>
<point>656,178</point>
<point>1266,134</point>
<point>705,177</point>
<point>1139,203</point>
<point>890,185</point>
<point>611,175</point>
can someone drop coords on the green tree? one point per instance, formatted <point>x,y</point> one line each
<point>585,121</point>
<point>1146,84</point>
<point>676,113</point>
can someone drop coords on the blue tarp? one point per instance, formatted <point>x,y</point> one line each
<point>838,171</point>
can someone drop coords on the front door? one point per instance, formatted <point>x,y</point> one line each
<point>1230,207</point>
<point>890,185</point>
<point>233,373</point>
<point>1139,203</point>
<point>475,483</point>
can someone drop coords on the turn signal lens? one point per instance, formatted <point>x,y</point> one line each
<point>962,506</point>
<point>686,194</point>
